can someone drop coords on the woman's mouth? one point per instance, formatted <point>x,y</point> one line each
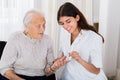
<point>69,28</point>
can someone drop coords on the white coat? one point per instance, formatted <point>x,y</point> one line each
<point>89,45</point>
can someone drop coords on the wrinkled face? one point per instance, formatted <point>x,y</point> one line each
<point>69,23</point>
<point>37,27</point>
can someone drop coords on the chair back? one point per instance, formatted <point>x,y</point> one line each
<point>2,45</point>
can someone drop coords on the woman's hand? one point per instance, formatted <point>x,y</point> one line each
<point>59,62</point>
<point>75,55</point>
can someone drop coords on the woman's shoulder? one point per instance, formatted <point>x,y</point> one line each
<point>91,34</point>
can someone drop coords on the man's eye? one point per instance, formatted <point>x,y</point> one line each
<point>39,26</point>
<point>44,25</point>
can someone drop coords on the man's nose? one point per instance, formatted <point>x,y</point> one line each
<point>42,28</point>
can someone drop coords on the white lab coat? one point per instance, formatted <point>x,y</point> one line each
<point>89,45</point>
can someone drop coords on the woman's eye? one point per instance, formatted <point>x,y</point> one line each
<point>68,21</point>
<point>61,23</point>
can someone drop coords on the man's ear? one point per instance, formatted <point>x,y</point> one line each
<point>77,17</point>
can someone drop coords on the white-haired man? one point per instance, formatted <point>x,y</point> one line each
<point>28,55</point>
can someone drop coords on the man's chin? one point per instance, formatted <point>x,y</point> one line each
<point>40,37</point>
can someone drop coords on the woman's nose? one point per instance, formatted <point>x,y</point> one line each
<point>65,26</point>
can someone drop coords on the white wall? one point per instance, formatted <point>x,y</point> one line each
<point>119,51</point>
<point>118,66</point>
<point>49,10</point>
<point>109,27</point>
<point>95,7</point>
<point>13,16</point>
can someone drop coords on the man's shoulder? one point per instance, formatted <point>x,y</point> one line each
<point>46,36</point>
<point>15,35</point>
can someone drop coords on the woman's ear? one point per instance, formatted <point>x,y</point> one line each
<point>77,17</point>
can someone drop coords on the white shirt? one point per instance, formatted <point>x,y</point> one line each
<point>27,56</point>
<point>89,45</point>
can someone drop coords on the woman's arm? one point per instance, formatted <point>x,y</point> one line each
<point>90,67</point>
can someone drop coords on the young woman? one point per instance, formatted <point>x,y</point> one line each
<point>83,47</point>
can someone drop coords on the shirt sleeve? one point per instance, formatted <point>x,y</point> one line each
<point>50,54</point>
<point>9,56</point>
<point>96,52</point>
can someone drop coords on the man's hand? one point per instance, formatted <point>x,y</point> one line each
<point>59,62</point>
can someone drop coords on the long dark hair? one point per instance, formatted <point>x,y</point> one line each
<point>68,9</point>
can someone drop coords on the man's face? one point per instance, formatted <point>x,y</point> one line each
<point>37,27</point>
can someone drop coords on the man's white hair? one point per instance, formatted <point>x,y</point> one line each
<point>29,16</point>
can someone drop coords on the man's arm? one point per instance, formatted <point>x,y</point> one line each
<point>59,62</point>
<point>12,76</point>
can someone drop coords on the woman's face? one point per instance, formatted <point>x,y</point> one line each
<point>37,27</point>
<point>69,23</point>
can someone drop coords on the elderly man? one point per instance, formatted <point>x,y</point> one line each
<point>28,55</point>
